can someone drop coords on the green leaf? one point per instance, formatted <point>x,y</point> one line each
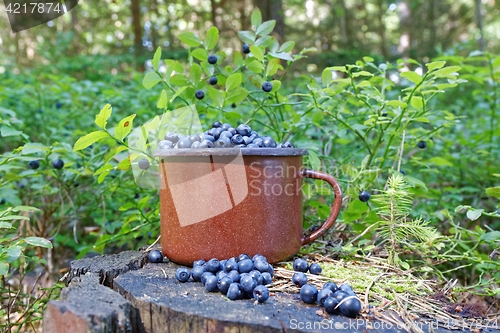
<point>150,80</point>
<point>38,241</point>
<point>179,80</point>
<point>265,28</point>
<point>207,68</point>
<point>4,268</point>
<point>14,253</point>
<point>25,209</point>
<point>276,85</point>
<point>124,127</point>
<point>417,102</point>
<point>272,67</point>
<point>89,139</point>
<point>195,73</point>
<point>396,103</point>
<point>256,18</point>
<point>216,96</point>
<point>237,59</point>
<point>200,54</point>
<point>255,66</point>
<point>443,72</point>
<point>493,191</point>
<point>102,117</point>
<point>263,41</point>
<point>6,225</point>
<point>234,80</point>
<point>162,100</point>
<point>190,39</point>
<point>326,77</point>
<point>247,36</point>
<point>368,59</point>
<point>212,38</point>
<point>156,59</point>
<point>435,65</point>
<point>491,236</point>
<point>361,73</point>
<point>237,95</point>
<point>281,55</point>
<point>412,77</point>
<point>474,214</point>
<point>6,131</point>
<point>287,46</point>
<point>439,161</point>
<point>257,52</point>
<point>178,93</point>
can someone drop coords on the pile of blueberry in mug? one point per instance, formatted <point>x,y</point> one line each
<point>222,136</point>
<point>245,277</point>
<point>335,299</point>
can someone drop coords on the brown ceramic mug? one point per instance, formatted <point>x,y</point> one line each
<point>219,203</point>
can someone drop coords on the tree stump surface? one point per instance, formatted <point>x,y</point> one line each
<point>148,298</point>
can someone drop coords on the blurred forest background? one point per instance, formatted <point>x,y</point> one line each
<point>341,30</point>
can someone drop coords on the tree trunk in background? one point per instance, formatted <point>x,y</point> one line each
<point>135,8</point>
<point>343,24</point>
<point>213,6</point>
<point>479,20</point>
<point>245,24</point>
<point>272,10</point>
<point>381,28</point>
<point>405,26</point>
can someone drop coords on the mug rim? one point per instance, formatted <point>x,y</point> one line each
<point>231,151</point>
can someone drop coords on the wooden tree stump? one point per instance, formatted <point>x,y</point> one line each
<point>148,298</point>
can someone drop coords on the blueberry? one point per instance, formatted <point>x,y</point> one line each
<point>252,145</point>
<point>205,275</point>
<point>226,126</point>
<point>2,201</point>
<point>299,279</point>
<point>271,270</point>
<point>216,124</point>
<point>261,265</point>
<point>245,265</point>
<point>200,262</point>
<point>267,86</point>
<point>172,137</point>
<point>207,137</point>
<point>323,294</point>
<point>402,172</point>
<point>237,139</point>
<point>233,105</point>
<point>196,144</point>
<point>242,256</point>
<point>350,307</point>
<point>226,134</point>
<point>300,265</point>
<point>245,48</point>
<point>197,271</point>
<point>422,144</point>
<point>211,283</point>
<point>223,265</point>
<point>234,275</point>
<point>259,256</point>
<point>287,144</point>
<point>34,164</point>
<point>331,304</point>
<point>347,289</point>
<point>184,143</point>
<point>194,138</point>
<point>244,130</point>
<point>315,269</point>
<point>143,164</point>
<point>220,274</point>
<point>59,105</point>
<point>155,256</point>
<point>234,292</point>
<point>268,142</point>
<point>232,130</point>
<point>213,265</point>
<point>330,285</point>
<point>258,141</point>
<point>58,164</point>
<point>247,140</point>
<point>165,144</point>
<point>182,274</point>
<point>213,80</point>
<point>212,59</point>
<point>206,144</point>
<point>223,142</point>
<point>199,94</point>
<point>308,294</point>
<point>248,283</point>
<point>257,276</point>
<point>223,284</point>
<point>216,133</point>
<point>340,295</point>
<point>242,145</point>
<point>231,264</point>
<point>364,196</point>
<point>261,294</point>
<point>266,278</point>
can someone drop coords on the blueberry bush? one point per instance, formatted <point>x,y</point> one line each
<point>414,145</point>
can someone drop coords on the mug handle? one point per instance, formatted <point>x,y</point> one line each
<point>335,208</point>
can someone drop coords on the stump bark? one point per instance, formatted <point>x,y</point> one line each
<point>122,294</point>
